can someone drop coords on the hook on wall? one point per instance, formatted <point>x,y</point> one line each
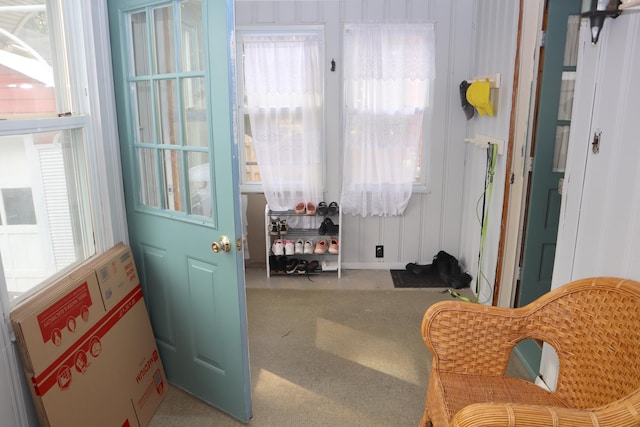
<point>333,65</point>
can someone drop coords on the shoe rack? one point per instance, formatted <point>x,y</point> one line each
<point>327,262</point>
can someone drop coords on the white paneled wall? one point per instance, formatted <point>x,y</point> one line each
<point>495,38</point>
<point>601,234</point>
<point>433,217</point>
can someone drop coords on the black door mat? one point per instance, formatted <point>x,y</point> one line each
<point>407,279</point>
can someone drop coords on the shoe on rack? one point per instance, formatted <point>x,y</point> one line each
<point>274,265</point>
<point>283,260</point>
<point>274,228</point>
<point>302,266</point>
<point>334,246</point>
<point>321,247</point>
<point>312,266</point>
<point>292,265</point>
<point>300,208</point>
<point>289,247</point>
<point>299,247</point>
<point>278,247</point>
<point>308,247</point>
<point>311,208</point>
<point>333,208</point>
<point>283,227</point>
<point>330,227</point>
<point>323,228</point>
<point>323,209</point>
<point>277,263</point>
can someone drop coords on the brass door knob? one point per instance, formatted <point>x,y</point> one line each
<point>222,245</point>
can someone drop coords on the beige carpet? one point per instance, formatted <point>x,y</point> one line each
<point>327,358</point>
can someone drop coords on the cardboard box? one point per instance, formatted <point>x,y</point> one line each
<point>88,349</point>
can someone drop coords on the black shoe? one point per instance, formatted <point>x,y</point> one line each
<point>302,266</point>
<point>333,208</point>
<point>323,209</point>
<point>292,265</point>
<point>330,228</point>
<point>274,229</point>
<point>460,281</point>
<point>323,228</point>
<point>419,270</point>
<point>273,263</point>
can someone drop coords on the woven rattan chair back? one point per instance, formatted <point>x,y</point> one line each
<point>594,326</point>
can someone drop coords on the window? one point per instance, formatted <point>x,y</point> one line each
<point>567,87</point>
<point>45,221</point>
<point>387,77</point>
<point>18,206</point>
<point>280,118</point>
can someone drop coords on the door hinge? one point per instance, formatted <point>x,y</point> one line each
<point>518,272</point>
<point>543,38</point>
<point>512,178</point>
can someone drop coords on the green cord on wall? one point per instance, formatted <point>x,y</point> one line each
<point>485,216</point>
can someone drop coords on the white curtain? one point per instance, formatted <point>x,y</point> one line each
<point>387,70</point>
<point>283,88</point>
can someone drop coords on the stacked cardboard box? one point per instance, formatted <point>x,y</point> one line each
<point>88,349</point>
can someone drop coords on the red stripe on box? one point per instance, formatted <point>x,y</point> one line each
<point>49,377</point>
<point>59,313</point>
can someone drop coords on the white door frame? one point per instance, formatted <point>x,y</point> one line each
<point>532,13</point>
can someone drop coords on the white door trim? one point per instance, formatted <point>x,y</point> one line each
<point>531,20</point>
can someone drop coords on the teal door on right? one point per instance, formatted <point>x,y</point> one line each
<point>552,126</point>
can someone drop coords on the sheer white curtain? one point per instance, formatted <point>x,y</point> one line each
<point>387,71</point>
<point>283,89</point>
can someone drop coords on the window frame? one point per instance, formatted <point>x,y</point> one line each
<point>90,94</point>
<point>88,28</point>
<point>241,109</point>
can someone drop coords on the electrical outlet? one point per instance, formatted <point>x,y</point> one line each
<point>379,251</point>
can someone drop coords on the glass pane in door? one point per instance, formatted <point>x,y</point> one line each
<point>199,183</point>
<point>140,41</point>
<point>167,110</point>
<point>144,112</point>
<point>196,131</point>
<point>192,48</point>
<point>149,183</point>
<point>170,108</point>
<point>172,180</point>
<point>164,40</point>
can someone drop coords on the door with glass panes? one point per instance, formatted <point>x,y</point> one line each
<point>173,84</point>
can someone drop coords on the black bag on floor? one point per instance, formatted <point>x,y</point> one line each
<point>449,271</point>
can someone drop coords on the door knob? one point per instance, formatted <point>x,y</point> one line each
<point>222,245</point>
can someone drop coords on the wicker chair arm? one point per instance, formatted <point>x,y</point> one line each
<point>513,415</point>
<point>471,338</point>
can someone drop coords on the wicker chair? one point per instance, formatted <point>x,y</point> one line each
<point>594,326</point>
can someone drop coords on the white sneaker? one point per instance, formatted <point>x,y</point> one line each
<point>277,248</point>
<point>308,247</point>
<point>299,249</point>
<point>288,247</point>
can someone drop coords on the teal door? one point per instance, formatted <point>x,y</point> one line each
<point>172,73</point>
<point>553,115</point>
